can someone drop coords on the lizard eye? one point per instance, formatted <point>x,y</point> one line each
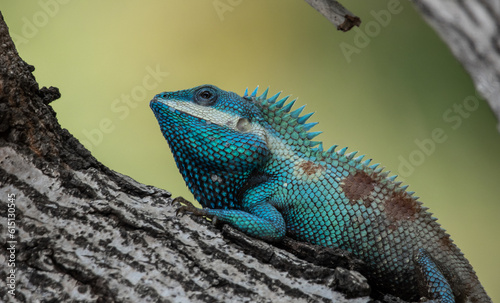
<point>206,96</point>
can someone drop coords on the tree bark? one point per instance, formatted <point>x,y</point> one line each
<point>75,231</point>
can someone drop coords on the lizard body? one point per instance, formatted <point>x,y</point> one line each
<point>251,162</point>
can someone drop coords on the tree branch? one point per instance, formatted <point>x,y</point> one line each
<point>342,18</point>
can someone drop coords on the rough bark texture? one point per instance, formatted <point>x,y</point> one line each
<point>84,233</point>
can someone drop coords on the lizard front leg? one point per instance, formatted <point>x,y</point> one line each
<point>262,221</point>
<point>258,217</point>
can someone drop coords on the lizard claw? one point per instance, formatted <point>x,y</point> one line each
<point>187,207</point>
<point>181,200</point>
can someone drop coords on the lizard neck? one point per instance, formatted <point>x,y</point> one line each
<point>213,188</point>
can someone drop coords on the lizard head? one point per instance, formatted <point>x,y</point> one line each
<point>217,139</point>
<point>207,126</point>
<point>221,141</point>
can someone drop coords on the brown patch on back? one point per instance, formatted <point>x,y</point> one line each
<point>310,168</point>
<point>401,206</point>
<point>358,186</point>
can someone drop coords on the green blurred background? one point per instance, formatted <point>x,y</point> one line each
<point>382,89</point>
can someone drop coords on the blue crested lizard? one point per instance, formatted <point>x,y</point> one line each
<point>251,162</point>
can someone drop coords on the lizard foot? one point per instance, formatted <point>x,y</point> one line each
<point>188,207</point>
<point>182,201</point>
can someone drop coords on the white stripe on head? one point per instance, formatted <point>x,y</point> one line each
<point>217,117</point>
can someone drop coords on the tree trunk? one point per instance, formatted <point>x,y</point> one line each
<point>75,231</point>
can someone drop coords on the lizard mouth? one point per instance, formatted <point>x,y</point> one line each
<point>154,104</point>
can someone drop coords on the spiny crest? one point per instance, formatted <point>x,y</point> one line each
<point>292,127</point>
